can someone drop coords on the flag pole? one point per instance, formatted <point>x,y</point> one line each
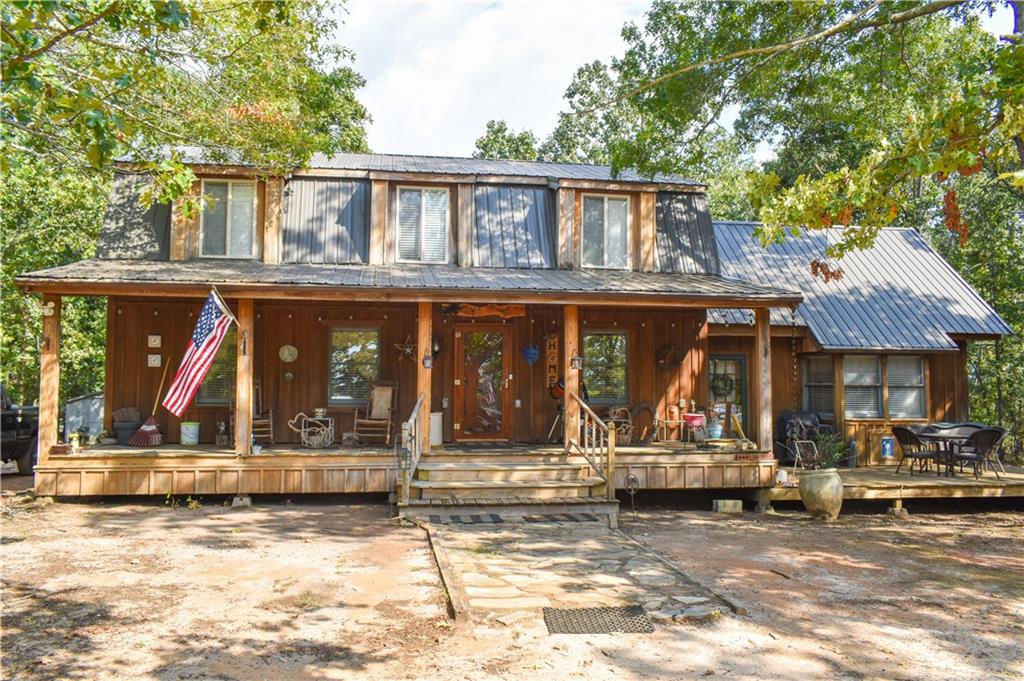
<point>223,305</point>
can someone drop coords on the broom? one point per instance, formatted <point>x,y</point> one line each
<point>148,435</point>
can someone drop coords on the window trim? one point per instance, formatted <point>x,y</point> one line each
<point>629,229</point>
<point>254,249</point>
<point>880,387</point>
<point>447,227</point>
<point>922,387</point>
<point>354,326</point>
<point>614,331</point>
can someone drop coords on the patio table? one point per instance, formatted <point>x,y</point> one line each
<point>946,444</point>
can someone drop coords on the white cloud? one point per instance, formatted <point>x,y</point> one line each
<point>438,72</point>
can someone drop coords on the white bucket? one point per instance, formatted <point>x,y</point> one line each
<point>190,433</point>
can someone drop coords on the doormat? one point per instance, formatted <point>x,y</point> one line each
<point>630,619</point>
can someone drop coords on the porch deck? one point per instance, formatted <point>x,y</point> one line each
<point>292,469</point>
<point>882,482</point>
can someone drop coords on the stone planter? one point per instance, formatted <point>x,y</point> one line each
<point>822,493</point>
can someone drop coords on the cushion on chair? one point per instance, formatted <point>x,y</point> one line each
<point>380,401</point>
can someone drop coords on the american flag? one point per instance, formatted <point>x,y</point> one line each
<point>213,324</point>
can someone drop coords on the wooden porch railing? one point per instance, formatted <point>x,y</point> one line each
<point>409,449</point>
<point>596,444</point>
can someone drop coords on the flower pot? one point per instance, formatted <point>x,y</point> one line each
<point>822,493</point>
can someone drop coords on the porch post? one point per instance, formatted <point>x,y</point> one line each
<point>243,378</point>
<point>762,373</point>
<point>572,379</point>
<point>424,345</point>
<point>49,378</point>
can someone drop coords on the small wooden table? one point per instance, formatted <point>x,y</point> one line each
<point>946,445</point>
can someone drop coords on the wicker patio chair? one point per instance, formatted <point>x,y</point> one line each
<point>913,448</point>
<point>981,449</point>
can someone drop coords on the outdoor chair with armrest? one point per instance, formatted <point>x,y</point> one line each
<point>913,448</point>
<point>981,449</point>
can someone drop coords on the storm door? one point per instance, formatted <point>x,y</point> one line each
<point>483,366</point>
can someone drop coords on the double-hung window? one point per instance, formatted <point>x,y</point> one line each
<point>862,385</point>
<point>354,365</point>
<point>605,238</point>
<point>218,386</point>
<point>604,367</point>
<point>422,225</point>
<point>229,219</point>
<point>818,381</point>
<point>905,374</point>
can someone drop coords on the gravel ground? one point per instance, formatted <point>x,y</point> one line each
<point>149,591</point>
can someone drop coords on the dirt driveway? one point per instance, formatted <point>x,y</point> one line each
<point>104,591</point>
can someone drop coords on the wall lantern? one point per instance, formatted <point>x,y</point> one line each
<point>576,363</point>
<point>428,361</point>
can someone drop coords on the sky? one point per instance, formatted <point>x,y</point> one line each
<point>437,72</point>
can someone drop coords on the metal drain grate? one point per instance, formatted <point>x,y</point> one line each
<point>630,619</point>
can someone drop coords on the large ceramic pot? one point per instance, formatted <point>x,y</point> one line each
<point>822,493</point>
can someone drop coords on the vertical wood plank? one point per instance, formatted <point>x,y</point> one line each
<point>378,220</point>
<point>49,379</point>
<point>424,334</point>
<point>108,368</point>
<point>571,330</point>
<point>243,378</point>
<point>762,374</point>
<point>648,231</point>
<point>272,220</point>
<point>566,199</point>
<point>464,227</point>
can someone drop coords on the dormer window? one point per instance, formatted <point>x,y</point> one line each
<point>422,224</point>
<point>228,225</point>
<point>605,238</point>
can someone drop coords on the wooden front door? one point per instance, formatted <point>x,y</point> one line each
<point>483,372</point>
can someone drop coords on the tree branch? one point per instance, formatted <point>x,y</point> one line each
<point>853,24</point>
<point>28,56</point>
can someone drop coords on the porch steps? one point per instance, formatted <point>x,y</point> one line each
<point>536,488</point>
<point>512,509</point>
<point>500,471</point>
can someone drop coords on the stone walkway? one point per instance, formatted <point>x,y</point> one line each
<point>510,571</point>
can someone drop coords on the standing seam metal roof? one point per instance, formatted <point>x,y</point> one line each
<point>898,295</point>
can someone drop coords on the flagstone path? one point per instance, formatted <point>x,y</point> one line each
<point>511,571</point>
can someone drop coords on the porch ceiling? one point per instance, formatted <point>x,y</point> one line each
<point>247,278</point>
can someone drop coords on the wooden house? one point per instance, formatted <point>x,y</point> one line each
<point>490,292</point>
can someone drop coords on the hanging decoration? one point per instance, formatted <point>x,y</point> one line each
<point>668,355</point>
<point>551,360</point>
<point>477,311</point>
<point>406,349</point>
<point>531,353</point>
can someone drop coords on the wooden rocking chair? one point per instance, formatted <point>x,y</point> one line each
<point>375,421</point>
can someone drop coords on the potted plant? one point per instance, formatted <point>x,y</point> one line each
<point>821,488</point>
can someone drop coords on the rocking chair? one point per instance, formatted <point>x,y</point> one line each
<point>375,421</point>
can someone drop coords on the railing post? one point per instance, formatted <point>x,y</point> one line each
<point>403,463</point>
<point>610,472</point>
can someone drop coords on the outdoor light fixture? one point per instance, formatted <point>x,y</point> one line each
<point>428,361</point>
<point>576,363</point>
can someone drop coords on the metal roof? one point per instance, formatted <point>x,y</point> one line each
<point>204,271</point>
<point>515,226</point>
<point>129,230</point>
<point>451,165</point>
<point>898,295</point>
<point>326,220</point>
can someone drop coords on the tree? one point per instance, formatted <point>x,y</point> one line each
<point>49,215</point>
<point>85,81</point>
<point>500,142</point>
<point>917,90</point>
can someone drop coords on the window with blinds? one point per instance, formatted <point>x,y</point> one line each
<point>818,386</point>
<point>605,240</point>
<point>229,219</point>
<point>906,386</point>
<point>354,365</point>
<point>862,386</point>
<point>219,385</point>
<point>422,225</point>
<point>604,367</point>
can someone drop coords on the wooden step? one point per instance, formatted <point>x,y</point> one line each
<point>511,509</point>
<point>536,488</point>
<point>493,471</point>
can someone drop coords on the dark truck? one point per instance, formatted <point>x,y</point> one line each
<point>19,432</point>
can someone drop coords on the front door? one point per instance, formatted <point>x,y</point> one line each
<point>483,366</point>
<point>727,386</point>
